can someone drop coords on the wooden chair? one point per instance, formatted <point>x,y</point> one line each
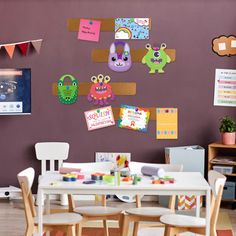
<point>152,214</point>
<point>55,153</point>
<point>66,222</point>
<point>102,212</point>
<point>175,224</point>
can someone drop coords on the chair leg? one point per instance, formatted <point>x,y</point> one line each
<point>135,230</point>
<point>78,230</point>
<point>105,228</point>
<point>29,231</point>
<point>125,227</point>
<point>171,231</point>
<point>121,220</point>
<point>71,230</point>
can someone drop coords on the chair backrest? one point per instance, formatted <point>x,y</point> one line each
<point>52,152</point>
<point>217,182</point>
<point>90,166</point>
<point>26,178</point>
<point>135,167</point>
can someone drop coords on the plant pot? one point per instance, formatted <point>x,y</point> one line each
<point>228,138</point>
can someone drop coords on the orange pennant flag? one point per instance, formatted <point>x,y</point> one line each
<point>10,49</point>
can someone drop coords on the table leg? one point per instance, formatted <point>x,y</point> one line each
<point>40,213</point>
<point>208,207</point>
<point>198,206</point>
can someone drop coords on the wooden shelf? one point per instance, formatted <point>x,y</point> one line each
<point>232,175</point>
<point>228,200</point>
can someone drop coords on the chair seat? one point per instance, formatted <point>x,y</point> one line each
<point>149,211</point>
<point>60,219</point>
<point>183,220</point>
<point>97,210</point>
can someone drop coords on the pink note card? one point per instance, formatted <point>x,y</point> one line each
<point>89,30</point>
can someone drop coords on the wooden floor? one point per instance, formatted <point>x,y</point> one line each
<point>12,219</point>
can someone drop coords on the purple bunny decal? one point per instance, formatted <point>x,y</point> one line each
<point>117,61</point>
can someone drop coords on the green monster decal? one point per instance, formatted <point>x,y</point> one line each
<point>67,93</point>
<point>156,58</point>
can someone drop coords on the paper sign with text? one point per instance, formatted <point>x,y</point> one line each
<point>99,118</point>
<point>132,117</point>
<point>89,30</point>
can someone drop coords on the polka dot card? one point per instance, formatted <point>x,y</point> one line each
<point>167,123</point>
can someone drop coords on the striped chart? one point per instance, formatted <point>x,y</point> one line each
<point>225,87</point>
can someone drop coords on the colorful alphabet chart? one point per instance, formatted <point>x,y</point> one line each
<point>99,118</point>
<point>225,88</point>
<point>89,30</point>
<point>134,118</point>
<point>132,28</point>
<point>167,123</point>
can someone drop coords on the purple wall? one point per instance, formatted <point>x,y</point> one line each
<point>187,26</point>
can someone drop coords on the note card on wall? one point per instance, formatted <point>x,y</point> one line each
<point>89,30</point>
<point>167,123</point>
<point>225,88</point>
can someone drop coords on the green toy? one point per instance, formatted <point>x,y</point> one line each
<point>67,93</point>
<point>156,58</point>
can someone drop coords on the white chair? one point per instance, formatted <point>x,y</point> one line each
<point>90,213</point>
<point>54,153</point>
<point>152,214</point>
<point>69,223</point>
<point>175,224</point>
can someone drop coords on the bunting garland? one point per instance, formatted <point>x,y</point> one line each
<point>23,46</point>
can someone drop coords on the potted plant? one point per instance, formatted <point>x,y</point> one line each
<point>227,129</point>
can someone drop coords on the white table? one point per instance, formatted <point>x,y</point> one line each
<point>187,183</point>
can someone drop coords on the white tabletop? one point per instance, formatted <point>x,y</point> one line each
<point>185,183</point>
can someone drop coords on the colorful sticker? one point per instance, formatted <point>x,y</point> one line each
<point>89,30</point>
<point>99,118</point>
<point>119,61</point>
<point>134,118</point>
<point>167,123</point>
<point>225,88</point>
<point>132,28</point>
<point>101,91</point>
<point>156,58</point>
<point>67,92</point>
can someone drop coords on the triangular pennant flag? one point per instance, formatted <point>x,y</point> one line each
<point>10,49</point>
<point>23,47</point>
<point>37,45</point>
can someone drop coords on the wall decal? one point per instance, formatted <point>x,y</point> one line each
<point>156,58</point>
<point>166,123</point>
<point>134,118</point>
<point>224,45</point>
<point>67,92</point>
<point>132,28</point>
<point>119,61</point>
<point>225,88</point>
<point>99,118</point>
<point>23,46</point>
<point>100,91</point>
<point>89,30</point>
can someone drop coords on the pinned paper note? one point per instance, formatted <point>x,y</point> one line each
<point>132,28</point>
<point>167,123</point>
<point>135,118</point>
<point>225,88</point>
<point>89,30</point>
<point>99,118</point>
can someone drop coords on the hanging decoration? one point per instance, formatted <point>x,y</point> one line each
<point>67,93</point>
<point>156,58</point>
<point>100,91</point>
<point>119,61</point>
<point>23,46</point>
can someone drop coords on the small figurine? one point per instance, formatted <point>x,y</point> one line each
<point>156,58</point>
